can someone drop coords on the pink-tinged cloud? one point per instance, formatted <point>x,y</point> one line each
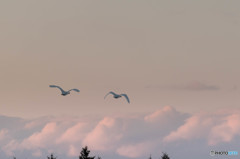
<point>73,134</point>
<point>195,127</point>
<point>10,147</point>
<point>127,136</point>
<point>161,114</point>
<point>225,131</point>
<point>215,128</point>
<point>73,151</point>
<point>198,86</point>
<point>191,86</point>
<point>41,139</point>
<point>32,124</point>
<point>104,135</point>
<point>3,134</point>
<point>37,153</point>
<point>134,150</point>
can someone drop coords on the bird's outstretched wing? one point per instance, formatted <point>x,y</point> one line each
<point>54,86</point>
<point>110,93</point>
<point>76,90</point>
<point>125,97</point>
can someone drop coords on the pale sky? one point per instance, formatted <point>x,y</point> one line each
<point>178,61</point>
<point>158,52</point>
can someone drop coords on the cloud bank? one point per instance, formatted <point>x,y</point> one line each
<point>191,86</point>
<point>126,136</point>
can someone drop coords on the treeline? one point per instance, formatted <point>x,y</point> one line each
<point>85,154</point>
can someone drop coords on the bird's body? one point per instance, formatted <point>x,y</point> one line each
<point>64,93</point>
<point>116,96</point>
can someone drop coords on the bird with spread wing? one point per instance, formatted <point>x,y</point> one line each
<point>118,96</point>
<point>64,93</point>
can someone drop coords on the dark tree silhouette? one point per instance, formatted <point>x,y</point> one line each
<point>51,157</point>
<point>150,157</point>
<point>165,156</point>
<point>84,154</point>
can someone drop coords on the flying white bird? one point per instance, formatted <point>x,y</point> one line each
<point>64,93</point>
<point>118,96</point>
